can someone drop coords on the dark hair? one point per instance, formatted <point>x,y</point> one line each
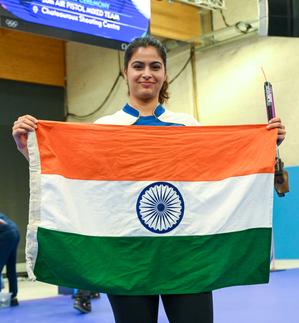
<point>146,42</point>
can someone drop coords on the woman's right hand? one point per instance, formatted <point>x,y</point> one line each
<point>20,129</point>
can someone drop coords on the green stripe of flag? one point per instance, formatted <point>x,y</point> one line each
<point>147,266</point>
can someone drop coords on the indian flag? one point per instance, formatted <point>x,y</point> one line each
<point>150,210</point>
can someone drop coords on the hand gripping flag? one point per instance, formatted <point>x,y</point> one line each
<point>150,210</point>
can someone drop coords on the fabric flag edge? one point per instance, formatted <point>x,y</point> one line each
<point>34,204</point>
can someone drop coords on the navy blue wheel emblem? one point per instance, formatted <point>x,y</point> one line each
<point>160,207</point>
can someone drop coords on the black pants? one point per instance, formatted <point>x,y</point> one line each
<point>187,308</point>
<point>8,256</point>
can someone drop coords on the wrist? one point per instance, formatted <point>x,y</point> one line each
<point>24,152</point>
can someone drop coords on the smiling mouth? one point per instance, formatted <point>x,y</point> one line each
<point>146,83</point>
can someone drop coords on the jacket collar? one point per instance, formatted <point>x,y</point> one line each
<point>159,110</point>
<point>128,116</point>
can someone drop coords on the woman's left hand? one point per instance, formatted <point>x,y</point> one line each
<point>276,123</point>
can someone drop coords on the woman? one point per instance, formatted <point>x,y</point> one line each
<point>145,73</point>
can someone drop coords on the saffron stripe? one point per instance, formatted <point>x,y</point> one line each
<point>126,153</point>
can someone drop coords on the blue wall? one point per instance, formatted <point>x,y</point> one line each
<point>286,219</point>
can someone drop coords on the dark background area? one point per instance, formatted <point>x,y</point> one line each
<point>19,98</point>
<point>283,18</point>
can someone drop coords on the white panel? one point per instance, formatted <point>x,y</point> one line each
<point>263,17</point>
<point>240,203</point>
<point>181,92</point>
<point>91,72</point>
<point>230,84</point>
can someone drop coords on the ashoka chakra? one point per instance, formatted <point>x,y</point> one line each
<point>160,207</point>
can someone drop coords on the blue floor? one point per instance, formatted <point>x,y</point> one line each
<point>276,302</point>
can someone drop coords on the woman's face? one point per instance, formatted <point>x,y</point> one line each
<point>145,74</point>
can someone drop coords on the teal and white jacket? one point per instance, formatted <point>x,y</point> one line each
<point>129,116</point>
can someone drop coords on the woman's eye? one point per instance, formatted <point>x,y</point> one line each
<point>156,67</point>
<point>137,67</point>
